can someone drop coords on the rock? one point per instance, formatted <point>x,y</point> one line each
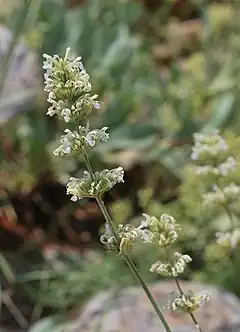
<point>23,80</point>
<point>129,310</point>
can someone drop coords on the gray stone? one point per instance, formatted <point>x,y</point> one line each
<point>23,80</point>
<point>129,310</point>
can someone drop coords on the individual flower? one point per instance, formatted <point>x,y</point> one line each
<point>68,87</point>
<point>81,141</point>
<point>171,270</point>
<point>188,302</point>
<point>162,231</point>
<point>88,187</point>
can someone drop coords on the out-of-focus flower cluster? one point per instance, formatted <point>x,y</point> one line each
<point>88,187</point>
<point>216,165</point>
<point>209,148</point>
<point>188,302</point>
<point>229,239</point>
<point>68,87</point>
<point>212,155</point>
<point>222,197</point>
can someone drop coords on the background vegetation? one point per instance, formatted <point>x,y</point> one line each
<point>164,70</point>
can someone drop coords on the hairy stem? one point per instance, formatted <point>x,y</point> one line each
<point>127,259</point>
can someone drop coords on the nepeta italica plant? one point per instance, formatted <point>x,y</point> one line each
<point>71,98</point>
<point>216,165</point>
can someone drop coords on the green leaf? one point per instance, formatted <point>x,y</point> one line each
<point>222,111</point>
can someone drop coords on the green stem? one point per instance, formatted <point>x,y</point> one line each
<point>99,200</point>
<point>106,215</point>
<point>126,257</point>
<point>89,167</point>
<point>147,292</point>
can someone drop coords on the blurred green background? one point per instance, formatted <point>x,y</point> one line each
<point>164,70</point>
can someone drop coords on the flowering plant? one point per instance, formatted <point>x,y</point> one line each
<point>71,98</point>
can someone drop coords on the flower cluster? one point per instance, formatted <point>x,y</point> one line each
<point>68,87</point>
<point>96,186</point>
<point>81,141</point>
<point>123,241</point>
<point>162,231</point>
<point>212,155</point>
<point>172,270</point>
<point>188,302</point>
<point>222,197</point>
<point>229,239</point>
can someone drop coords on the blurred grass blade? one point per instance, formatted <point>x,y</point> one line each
<point>25,12</point>
<point>222,111</point>
<point>6,269</point>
